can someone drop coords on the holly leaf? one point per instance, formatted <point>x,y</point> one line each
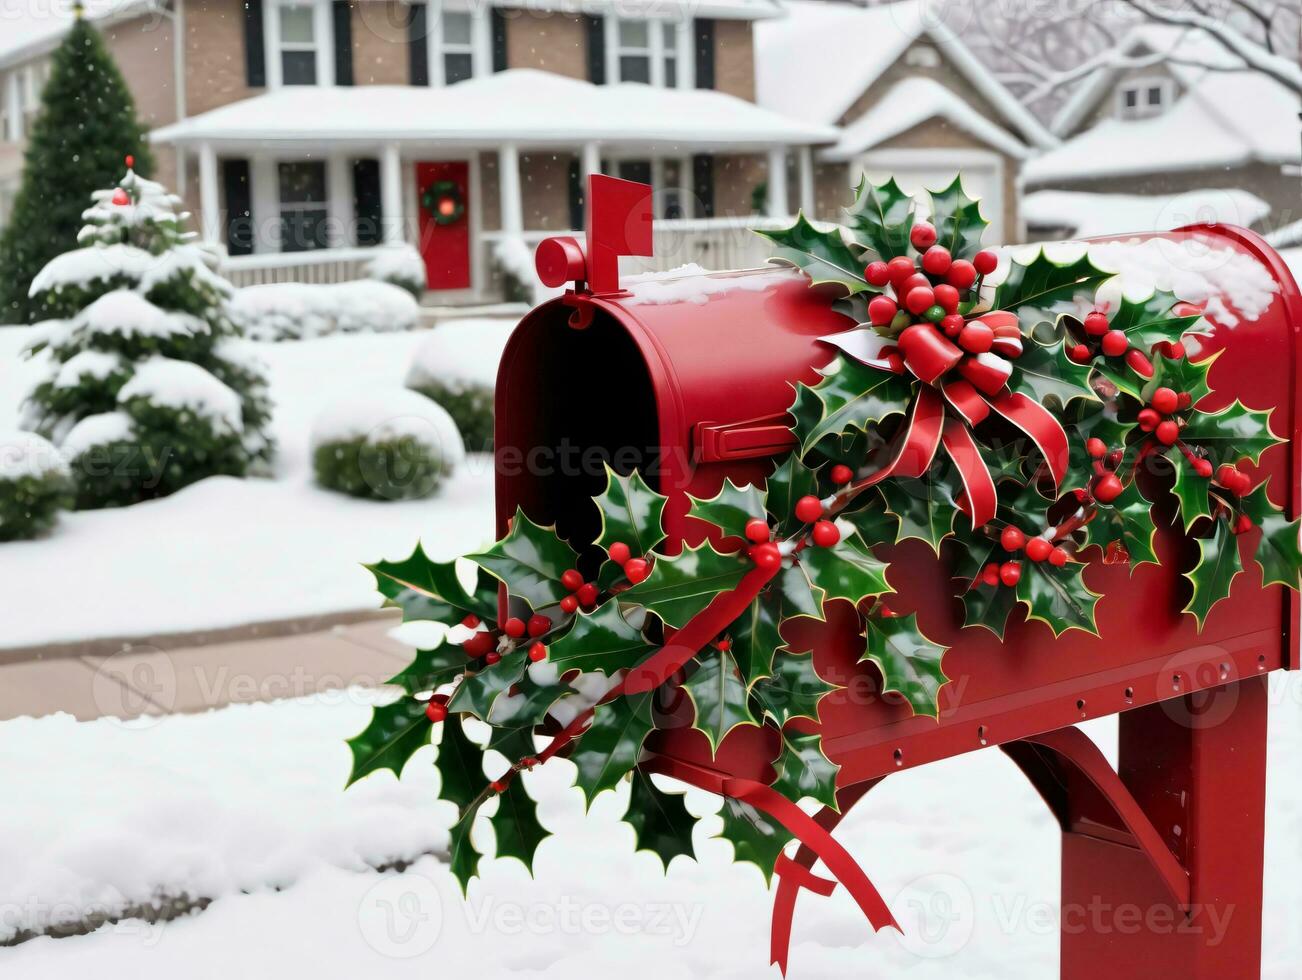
<point>1040,289</point>
<point>719,695</point>
<point>1149,321</point>
<point>631,512</point>
<point>925,509</point>
<point>1047,373</point>
<point>1277,553</point>
<point>910,663</point>
<point>1058,597</point>
<point>803,771</point>
<point>464,855</point>
<point>1191,490</point>
<point>524,707</point>
<point>848,570</point>
<point>460,763</point>
<point>1183,375</point>
<point>1130,520</point>
<point>793,691</point>
<point>431,590</point>
<point>431,669</point>
<point>755,837</point>
<point>612,743</point>
<point>1212,577</point>
<point>390,739</point>
<point>823,255</point>
<point>530,560</point>
<point>516,826</point>
<point>680,586</point>
<point>789,482</point>
<point>1235,432</point>
<point>882,217</point>
<point>874,522</point>
<point>661,822</point>
<point>477,692</point>
<point>988,606</point>
<point>755,636</point>
<point>602,640</point>
<point>851,396</point>
<point>958,221</point>
<point>730,508</point>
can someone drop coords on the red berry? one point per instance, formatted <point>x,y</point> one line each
<point>990,574</point>
<point>881,310</point>
<point>538,625</point>
<point>1167,433</point>
<point>766,555</point>
<point>962,274</point>
<point>1037,549</point>
<point>919,298</point>
<point>757,530</point>
<point>1096,447</point>
<point>492,657</point>
<point>1115,343</point>
<point>1243,524</point>
<point>1164,400</point>
<point>1107,488</point>
<point>497,786</point>
<point>637,569</point>
<point>479,644</point>
<point>1057,557</point>
<point>1012,539</point>
<point>1148,419</point>
<point>537,652</point>
<point>571,579</point>
<point>619,553</point>
<point>946,297</point>
<point>922,235</point>
<point>436,711</point>
<point>825,534</point>
<point>724,644</point>
<point>1139,362</point>
<point>1245,485</point>
<point>912,282</point>
<point>1202,467</point>
<point>1176,352</point>
<point>1227,475</point>
<point>1079,353</point>
<point>985,261</point>
<point>1010,573</point>
<point>809,509</point>
<point>841,474</point>
<point>587,594</point>
<point>976,337</point>
<point>1185,401</point>
<point>569,604</point>
<point>901,267</point>
<point>936,260</point>
<point>471,621</point>
<point>878,273</point>
<point>1096,323</point>
<point>952,324</point>
<point>514,627</point>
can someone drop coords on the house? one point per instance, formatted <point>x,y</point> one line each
<point>1171,112</point>
<point>304,132</point>
<point>908,97</point>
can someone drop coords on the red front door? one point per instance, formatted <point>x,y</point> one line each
<point>443,194</point>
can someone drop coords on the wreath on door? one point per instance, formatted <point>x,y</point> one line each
<point>444,202</point>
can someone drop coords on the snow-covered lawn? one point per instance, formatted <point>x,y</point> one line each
<point>248,799</point>
<point>225,552</point>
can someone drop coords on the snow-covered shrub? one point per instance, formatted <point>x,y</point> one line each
<point>299,311</point>
<point>145,338</point>
<point>34,485</point>
<point>457,367</point>
<point>401,266</point>
<point>515,264</point>
<point>390,445</point>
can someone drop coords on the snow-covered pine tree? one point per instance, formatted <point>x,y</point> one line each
<point>150,386</point>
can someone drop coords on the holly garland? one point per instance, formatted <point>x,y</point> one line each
<point>998,423</point>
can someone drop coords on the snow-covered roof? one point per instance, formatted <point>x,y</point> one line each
<point>1085,215</point>
<point>655,9</point>
<point>520,105</point>
<point>912,101</point>
<point>819,59</point>
<point>33,28</point>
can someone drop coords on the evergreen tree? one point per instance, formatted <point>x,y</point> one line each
<point>86,123</point>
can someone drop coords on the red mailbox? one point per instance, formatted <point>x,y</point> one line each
<point>695,377</point>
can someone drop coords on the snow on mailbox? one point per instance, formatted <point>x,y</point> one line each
<point>780,533</point>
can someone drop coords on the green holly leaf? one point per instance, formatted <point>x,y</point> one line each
<point>848,570</point>
<point>823,255</point>
<point>1091,420</point>
<point>1058,597</point>
<point>803,771</point>
<point>958,221</point>
<point>680,586</point>
<point>431,669</point>
<point>1191,490</point>
<point>719,696</point>
<point>1212,577</point>
<point>519,711</point>
<point>793,691</point>
<point>612,743</point>
<point>730,508</point>
<point>392,737</point>
<point>1149,321</point>
<point>1183,375</point>
<point>1235,432</point>
<point>755,836</point>
<point>631,512</point>
<point>530,560</point>
<point>882,217</point>
<point>516,826</point>
<point>755,636</point>
<point>910,663</point>
<point>1277,553</point>
<point>477,692</point>
<point>790,481</point>
<point>431,590</point>
<point>660,821</point>
<point>1128,519</point>
<point>1040,289</point>
<point>464,855</point>
<point>925,508</point>
<point>875,524</point>
<point>602,640</point>
<point>989,606</point>
<point>460,763</point>
<point>1047,373</point>
<point>851,396</point>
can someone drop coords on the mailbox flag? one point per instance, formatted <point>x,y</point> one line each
<point>619,223</point>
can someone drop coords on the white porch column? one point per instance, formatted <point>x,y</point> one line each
<point>805,161</point>
<point>508,179</point>
<point>209,208</point>
<point>777,183</point>
<point>391,194</point>
<point>591,161</point>
<point>339,185</point>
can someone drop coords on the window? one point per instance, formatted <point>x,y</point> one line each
<point>298,44</point>
<point>666,177</point>
<point>669,33</point>
<point>1145,97</point>
<point>303,211</point>
<point>647,51</point>
<point>458,46</point>
<point>634,51</point>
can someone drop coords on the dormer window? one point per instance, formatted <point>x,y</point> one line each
<point>647,51</point>
<point>1142,98</point>
<point>299,43</point>
<point>458,45</point>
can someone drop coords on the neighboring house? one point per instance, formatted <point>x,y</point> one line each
<point>303,131</point>
<point>910,98</point>
<point>1179,115</point>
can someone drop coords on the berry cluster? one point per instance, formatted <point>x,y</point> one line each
<point>635,569</point>
<point>1115,343</point>
<point>1040,548</point>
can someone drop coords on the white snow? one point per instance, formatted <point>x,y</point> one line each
<point>294,311</point>
<point>461,353</point>
<point>1086,215</point>
<point>128,314</point>
<point>397,263</point>
<point>384,415</point>
<point>83,266</point>
<point>1286,236</point>
<point>25,454</point>
<point>184,385</point>
<point>184,260</point>
<point>693,284</point>
<point>514,255</point>
<point>94,364</point>
<point>96,430</point>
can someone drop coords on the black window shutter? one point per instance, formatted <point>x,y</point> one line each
<point>343,24</point>
<point>596,50</point>
<point>255,53</point>
<point>499,39</point>
<point>417,29</point>
<point>239,207</point>
<point>577,195</point>
<point>703,184</point>
<point>368,205</point>
<point>703,31</point>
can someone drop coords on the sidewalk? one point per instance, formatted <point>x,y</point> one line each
<point>196,673</point>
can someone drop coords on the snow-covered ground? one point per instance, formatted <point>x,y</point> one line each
<point>225,552</point>
<point>963,850</point>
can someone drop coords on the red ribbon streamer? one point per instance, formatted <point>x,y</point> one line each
<point>982,498</point>
<point>1043,429</point>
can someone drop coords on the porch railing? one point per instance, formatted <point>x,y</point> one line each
<point>318,267</point>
